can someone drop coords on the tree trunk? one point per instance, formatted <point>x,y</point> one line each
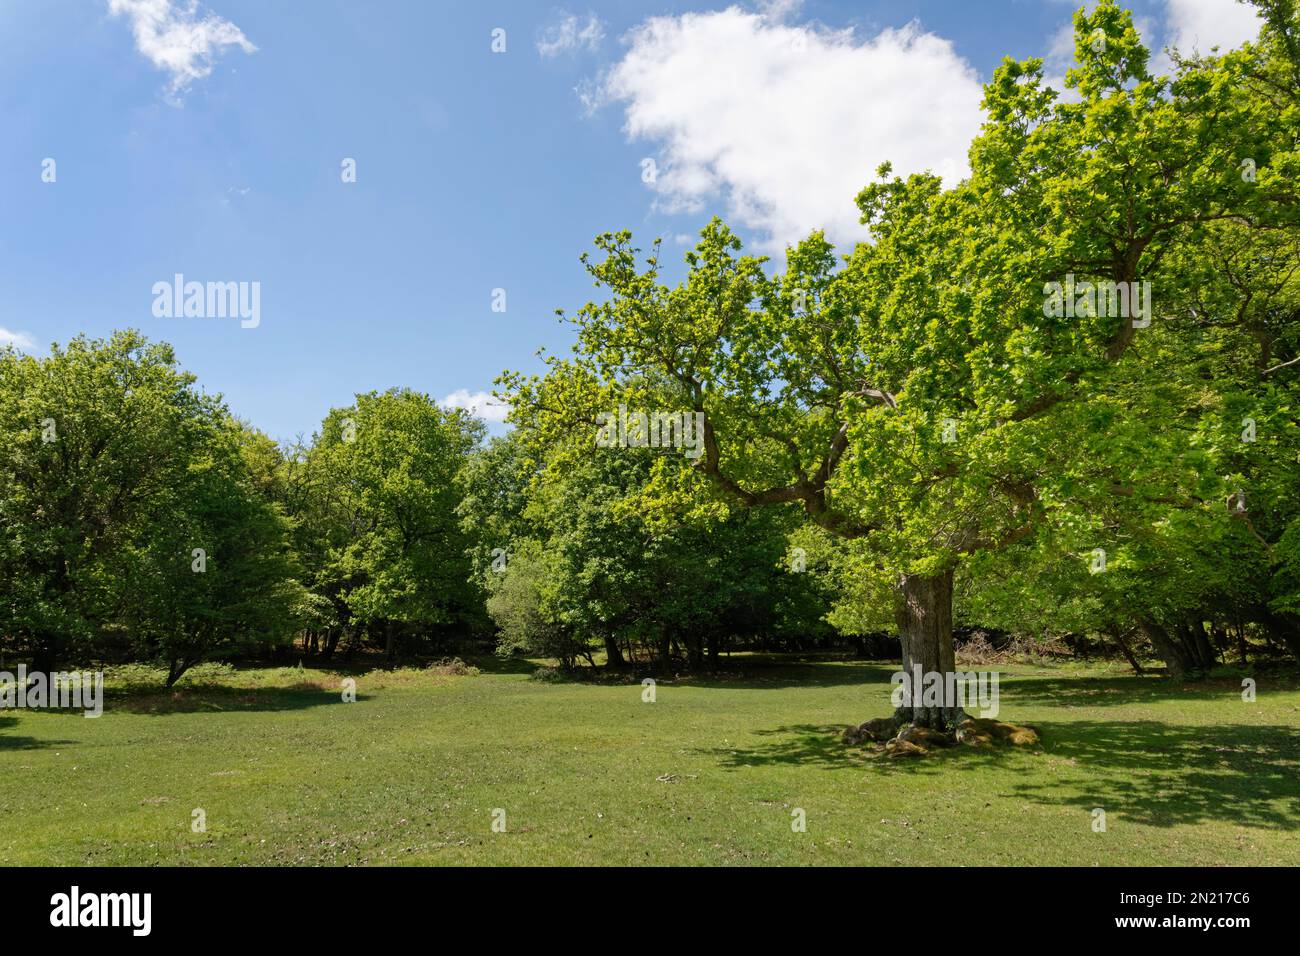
<point>1204,650</point>
<point>1178,658</point>
<point>696,650</point>
<point>177,669</point>
<point>46,654</point>
<point>1117,635</point>
<point>1286,627</point>
<point>613,654</point>
<point>924,618</point>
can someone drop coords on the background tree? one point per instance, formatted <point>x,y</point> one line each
<point>384,492</point>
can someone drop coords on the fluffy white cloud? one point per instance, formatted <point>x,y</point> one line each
<point>19,340</point>
<point>1201,24</point>
<point>176,37</point>
<point>788,121</point>
<point>479,404</point>
<point>570,34</point>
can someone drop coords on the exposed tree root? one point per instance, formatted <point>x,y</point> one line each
<point>897,739</point>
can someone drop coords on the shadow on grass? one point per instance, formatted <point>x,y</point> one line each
<point>1145,771</point>
<point>24,743</point>
<point>805,745</point>
<point>775,676</point>
<point>1082,691</point>
<point>491,664</point>
<point>1162,775</point>
<point>214,698</point>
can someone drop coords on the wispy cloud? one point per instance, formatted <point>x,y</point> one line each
<point>1201,24</point>
<point>570,34</point>
<point>19,340</point>
<point>174,35</point>
<point>479,404</point>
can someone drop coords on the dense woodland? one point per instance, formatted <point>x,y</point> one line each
<point>898,439</point>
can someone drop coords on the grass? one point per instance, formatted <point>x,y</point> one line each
<point>287,773</point>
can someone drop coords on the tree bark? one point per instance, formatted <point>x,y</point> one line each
<point>176,669</point>
<point>1204,649</point>
<point>1171,649</point>
<point>1286,627</point>
<point>613,653</point>
<point>924,617</point>
<point>1117,635</point>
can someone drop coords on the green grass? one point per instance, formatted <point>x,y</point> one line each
<point>588,774</point>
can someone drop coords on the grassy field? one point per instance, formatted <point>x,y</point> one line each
<point>710,773</point>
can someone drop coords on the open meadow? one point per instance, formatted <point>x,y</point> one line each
<point>711,772</point>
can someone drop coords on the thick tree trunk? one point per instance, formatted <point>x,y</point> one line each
<point>45,655</point>
<point>1180,657</point>
<point>613,653</point>
<point>1201,644</point>
<point>1286,627</point>
<point>924,618</point>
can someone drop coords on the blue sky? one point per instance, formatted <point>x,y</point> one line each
<point>208,140</point>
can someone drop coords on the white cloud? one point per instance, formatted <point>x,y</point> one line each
<point>1189,25</point>
<point>788,122</point>
<point>479,404</point>
<point>174,36</point>
<point>1060,52</point>
<point>19,340</point>
<point>571,34</point>
<point>1201,24</point>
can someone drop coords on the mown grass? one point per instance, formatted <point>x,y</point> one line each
<point>287,773</point>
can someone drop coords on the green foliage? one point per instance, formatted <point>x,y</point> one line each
<point>113,469</point>
<point>376,502</point>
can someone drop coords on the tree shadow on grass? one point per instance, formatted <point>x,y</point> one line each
<point>756,675</point>
<point>491,664</point>
<point>215,698</point>
<point>804,745</point>
<point>1146,771</point>
<point>8,742</point>
<point>1163,775</point>
<point>1031,689</point>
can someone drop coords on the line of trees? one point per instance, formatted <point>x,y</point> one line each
<point>142,521</point>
